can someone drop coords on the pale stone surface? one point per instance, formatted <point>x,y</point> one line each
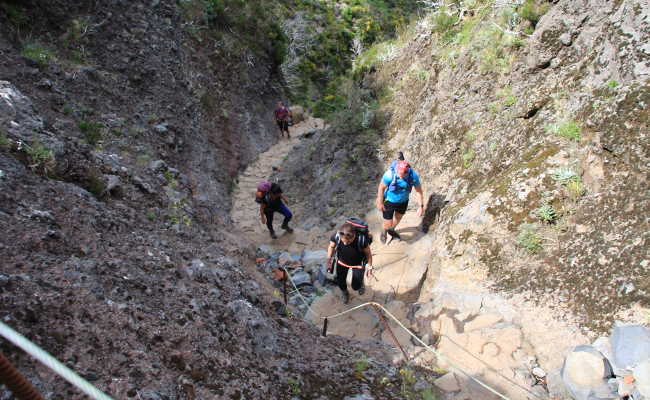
<point>447,382</point>
<point>482,321</point>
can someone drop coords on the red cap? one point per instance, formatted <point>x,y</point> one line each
<point>402,167</point>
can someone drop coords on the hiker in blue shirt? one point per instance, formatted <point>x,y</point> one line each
<point>393,196</point>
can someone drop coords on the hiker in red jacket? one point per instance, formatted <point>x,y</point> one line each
<point>282,115</point>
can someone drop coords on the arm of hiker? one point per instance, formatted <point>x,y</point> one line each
<point>284,198</point>
<point>418,189</point>
<point>262,216</point>
<point>380,196</point>
<point>369,266</point>
<point>330,254</point>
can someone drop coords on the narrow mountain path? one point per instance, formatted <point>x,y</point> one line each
<point>395,277</point>
<point>245,212</point>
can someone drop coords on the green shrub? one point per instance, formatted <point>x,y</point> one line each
<point>509,101</point>
<point>4,140</point>
<point>546,213</point>
<point>151,215</point>
<point>531,11</point>
<point>565,175</point>
<point>612,84</point>
<point>575,189</point>
<point>96,184</point>
<point>529,238</point>
<point>37,53</point>
<point>67,109</point>
<point>444,23</point>
<point>40,156</point>
<point>15,15</point>
<point>92,131</point>
<point>568,130</point>
<point>294,386</point>
<point>361,365</point>
<point>467,157</point>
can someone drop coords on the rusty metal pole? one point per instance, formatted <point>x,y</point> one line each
<point>284,284</point>
<point>16,382</point>
<point>382,318</point>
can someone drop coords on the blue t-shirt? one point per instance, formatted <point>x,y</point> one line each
<point>401,192</point>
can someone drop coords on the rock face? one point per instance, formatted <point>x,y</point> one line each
<point>539,155</point>
<point>119,143</point>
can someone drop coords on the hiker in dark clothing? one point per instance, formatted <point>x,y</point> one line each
<point>271,202</point>
<point>282,115</point>
<point>351,252</point>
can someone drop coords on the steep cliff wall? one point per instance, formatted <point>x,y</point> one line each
<point>122,127</point>
<point>539,143</point>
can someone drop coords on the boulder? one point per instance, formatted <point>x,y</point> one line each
<point>298,114</point>
<point>642,378</point>
<point>586,373</point>
<point>310,257</point>
<point>630,345</point>
<point>301,278</point>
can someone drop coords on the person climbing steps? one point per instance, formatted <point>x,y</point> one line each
<point>349,249</point>
<point>393,196</point>
<point>271,200</point>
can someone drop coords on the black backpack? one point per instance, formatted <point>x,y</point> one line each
<point>364,237</point>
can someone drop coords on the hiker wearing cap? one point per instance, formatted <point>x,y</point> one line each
<point>350,250</point>
<point>271,201</point>
<point>282,115</point>
<point>393,196</point>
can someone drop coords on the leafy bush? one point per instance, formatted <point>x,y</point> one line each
<point>568,130</point>
<point>532,11</point>
<point>565,175</point>
<point>37,53</point>
<point>92,131</point>
<point>4,140</point>
<point>40,156</point>
<point>15,15</point>
<point>576,189</point>
<point>529,238</point>
<point>468,157</point>
<point>612,84</point>
<point>546,213</point>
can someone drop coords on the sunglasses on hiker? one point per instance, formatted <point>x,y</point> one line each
<point>346,234</point>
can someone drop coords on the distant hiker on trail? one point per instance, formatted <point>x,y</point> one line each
<point>282,115</point>
<point>349,248</point>
<point>271,200</point>
<point>393,195</point>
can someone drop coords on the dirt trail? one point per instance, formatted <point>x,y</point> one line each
<point>245,212</point>
<point>394,278</point>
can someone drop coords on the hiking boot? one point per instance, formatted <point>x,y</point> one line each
<point>287,228</point>
<point>346,297</point>
<point>273,235</point>
<point>394,234</point>
<point>382,237</point>
<point>361,290</point>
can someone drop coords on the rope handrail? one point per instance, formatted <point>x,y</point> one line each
<point>51,362</point>
<point>426,346</point>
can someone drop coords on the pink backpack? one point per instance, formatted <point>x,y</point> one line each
<point>264,186</point>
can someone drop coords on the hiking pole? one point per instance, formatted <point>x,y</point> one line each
<point>325,327</point>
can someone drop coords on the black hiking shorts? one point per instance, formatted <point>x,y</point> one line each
<point>283,125</point>
<point>391,208</point>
